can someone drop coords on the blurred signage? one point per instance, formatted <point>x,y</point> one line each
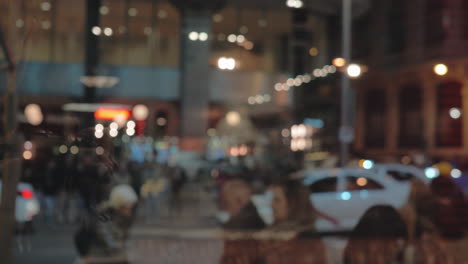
<point>314,122</point>
<point>111,113</point>
<point>91,108</point>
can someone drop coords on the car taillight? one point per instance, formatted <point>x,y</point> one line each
<point>26,194</point>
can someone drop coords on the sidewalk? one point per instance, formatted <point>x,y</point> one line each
<point>196,209</point>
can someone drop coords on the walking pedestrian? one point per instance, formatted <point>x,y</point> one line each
<point>379,238</point>
<point>292,237</point>
<point>103,239</point>
<point>178,178</point>
<point>50,191</point>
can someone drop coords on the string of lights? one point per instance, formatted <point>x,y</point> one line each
<point>291,82</point>
<point>305,78</point>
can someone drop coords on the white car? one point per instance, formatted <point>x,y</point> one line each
<point>345,194</point>
<point>401,172</point>
<point>27,205</point>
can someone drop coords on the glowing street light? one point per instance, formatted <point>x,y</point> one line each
<point>240,39</point>
<point>232,38</point>
<point>368,164</point>
<point>98,133</point>
<point>233,118</point>
<point>455,173</point>
<point>99,127</point>
<point>33,114</point>
<point>339,62</point>
<point>140,112</point>
<point>131,124</point>
<point>28,145</point>
<point>431,173</point>
<point>294,3</point>
<point>96,30</point>
<point>113,133</point>
<point>226,63</point>
<point>455,113</point>
<point>193,36</point>
<point>27,155</point>
<point>440,69</point>
<point>307,78</point>
<point>63,149</point>
<point>313,51</point>
<point>203,36</point>
<point>114,126</point>
<point>108,31</point>
<point>354,70</point>
<point>130,131</point>
<point>74,150</point>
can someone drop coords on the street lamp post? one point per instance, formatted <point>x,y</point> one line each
<point>91,58</point>
<point>346,133</point>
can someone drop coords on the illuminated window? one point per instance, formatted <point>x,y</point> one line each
<point>448,128</point>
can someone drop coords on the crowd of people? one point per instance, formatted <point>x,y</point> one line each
<point>102,196</point>
<point>101,193</point>
<point>430,228</point>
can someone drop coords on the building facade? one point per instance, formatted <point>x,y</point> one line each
<point>402,105</point>
<point>148,46</point>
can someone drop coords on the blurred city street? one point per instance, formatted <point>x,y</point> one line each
<point>190,234</point>
<point>233,132</point>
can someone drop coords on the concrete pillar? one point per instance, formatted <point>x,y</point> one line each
<point>430,113</point>
<point>465,115</point>
<point>195,76</point>
<point>91,46</point>
<point>360,122</point>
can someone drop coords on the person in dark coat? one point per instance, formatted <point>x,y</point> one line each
<point>242,220</point>
<point>378,238</point>
<point>419,214</point>
<point>103,238</point>
<point>236,200</point>
<point>92,181</point>
<point>51,186</point>
<point>450,206</point>
<point>178,178</point>
<point>292,237</point>
<point>450,217</point>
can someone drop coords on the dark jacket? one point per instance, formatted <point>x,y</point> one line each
<point>450,208</point>
<point>103,235</point>
<point>247,219</point>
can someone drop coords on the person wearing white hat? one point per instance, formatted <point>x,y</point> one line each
<point>122,198</point>
<point>103,241</point>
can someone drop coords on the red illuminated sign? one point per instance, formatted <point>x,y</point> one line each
<point>111,113</point>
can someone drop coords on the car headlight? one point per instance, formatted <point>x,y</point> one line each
<point>431,173</point>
